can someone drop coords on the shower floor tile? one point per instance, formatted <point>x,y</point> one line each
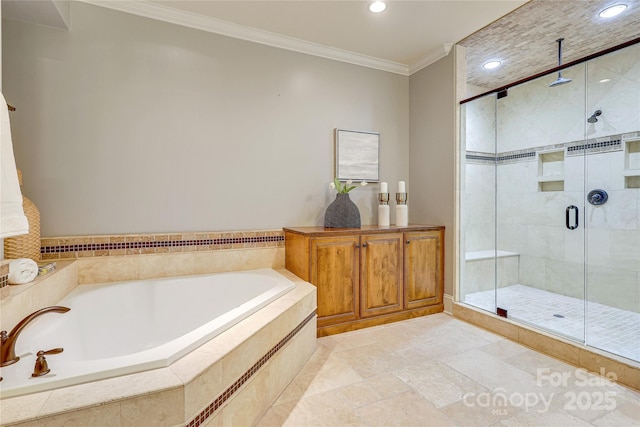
<point>611,329</point>
<point>607,328</point>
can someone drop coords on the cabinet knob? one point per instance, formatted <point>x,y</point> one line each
<point>408,241</point>
<point>365,245</point>
<point>357,246</point>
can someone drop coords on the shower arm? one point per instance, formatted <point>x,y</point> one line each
<point>560,55</point>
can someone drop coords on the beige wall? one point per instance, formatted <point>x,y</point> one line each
<point>129,125</point>
<point>432,151</point>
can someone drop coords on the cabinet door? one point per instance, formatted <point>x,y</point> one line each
<point>380,274</point>
<point>334,271</point>
<point>423,268</point>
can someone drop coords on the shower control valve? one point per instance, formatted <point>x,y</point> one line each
<point>597,197</point>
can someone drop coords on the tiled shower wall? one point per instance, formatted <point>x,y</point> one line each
<point>536,119</point>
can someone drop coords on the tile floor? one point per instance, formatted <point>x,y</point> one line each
<point>607,328</point>
<point>440,371</point>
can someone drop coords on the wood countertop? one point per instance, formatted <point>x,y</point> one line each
<point>365,229</point>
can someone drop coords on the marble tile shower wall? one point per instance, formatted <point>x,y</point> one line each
<point>532,223</point>
<point>535,118</point>
<point>533,114</point>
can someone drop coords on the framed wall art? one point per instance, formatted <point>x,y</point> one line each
<point>357,155</point>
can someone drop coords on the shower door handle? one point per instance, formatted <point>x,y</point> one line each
<point>567,214</point>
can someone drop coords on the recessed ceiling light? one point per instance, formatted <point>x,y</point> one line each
<point>490,65</point>
<point>605,80</point>
<point>612,11</point>
<point>377,6</point>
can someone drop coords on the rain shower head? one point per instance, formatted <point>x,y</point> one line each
<point>560,80</point>
<point>594,116</point>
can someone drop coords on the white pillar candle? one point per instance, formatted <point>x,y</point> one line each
<point>383,215</point>
<point>384,188</point>
<point>402,215</point>
<point>401,187</point>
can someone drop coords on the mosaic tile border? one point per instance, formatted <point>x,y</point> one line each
<point>4,274</point>
<point>478,157</point>
<point>53,248</point>
<point>591,146</point>
<point>230,391</point>
<point>595,147</point>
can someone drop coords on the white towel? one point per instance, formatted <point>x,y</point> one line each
<point>22,270</point>
<point>13,222</point>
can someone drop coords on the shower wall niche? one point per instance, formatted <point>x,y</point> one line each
<point>531,243</point>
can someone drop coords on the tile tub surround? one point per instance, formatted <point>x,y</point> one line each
<point>46,290</point>
<point>49,289</point>
<point>185,390</point>
<point>4,279</point>
<point>591,359</point>
<point>53,248</point>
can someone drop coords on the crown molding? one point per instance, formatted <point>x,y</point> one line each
<point>226,28</point>
<point>431,57</point>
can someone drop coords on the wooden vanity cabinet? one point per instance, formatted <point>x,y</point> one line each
<point>335,269</point>
<point>381,271</point>
<point>369,276</point>
<point>423,268</point>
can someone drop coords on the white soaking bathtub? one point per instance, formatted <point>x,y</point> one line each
<point>120,328</point>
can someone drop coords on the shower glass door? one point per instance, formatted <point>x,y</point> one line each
<point>550,203</point>
<point>540,228</point>
<point>478,203</point>
<point>612,210</point>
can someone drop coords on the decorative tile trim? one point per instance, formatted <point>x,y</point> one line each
<point>478,157</point>
<point>4,275</point>
<point>595,147</point>
<point>591,146</point>
<point>515,156</point>
<point>53,248</point>
<point>230,391</point>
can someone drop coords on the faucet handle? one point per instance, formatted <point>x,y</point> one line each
<point>42,368</point>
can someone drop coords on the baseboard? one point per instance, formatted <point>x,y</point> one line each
<point>448,303</point>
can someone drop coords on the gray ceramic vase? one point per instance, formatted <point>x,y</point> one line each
<point>342,213</point>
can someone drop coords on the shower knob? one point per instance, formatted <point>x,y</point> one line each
<point>597,197</point>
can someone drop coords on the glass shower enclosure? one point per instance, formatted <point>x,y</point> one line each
<point>550,203</point>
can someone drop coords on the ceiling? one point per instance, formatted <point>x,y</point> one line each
<point>525,40</point>
<point>405,33</point>
<point>406,37</point>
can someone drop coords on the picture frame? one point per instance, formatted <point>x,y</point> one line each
<point>357,155</point>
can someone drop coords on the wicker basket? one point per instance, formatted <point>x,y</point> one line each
<point>27,245</point>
